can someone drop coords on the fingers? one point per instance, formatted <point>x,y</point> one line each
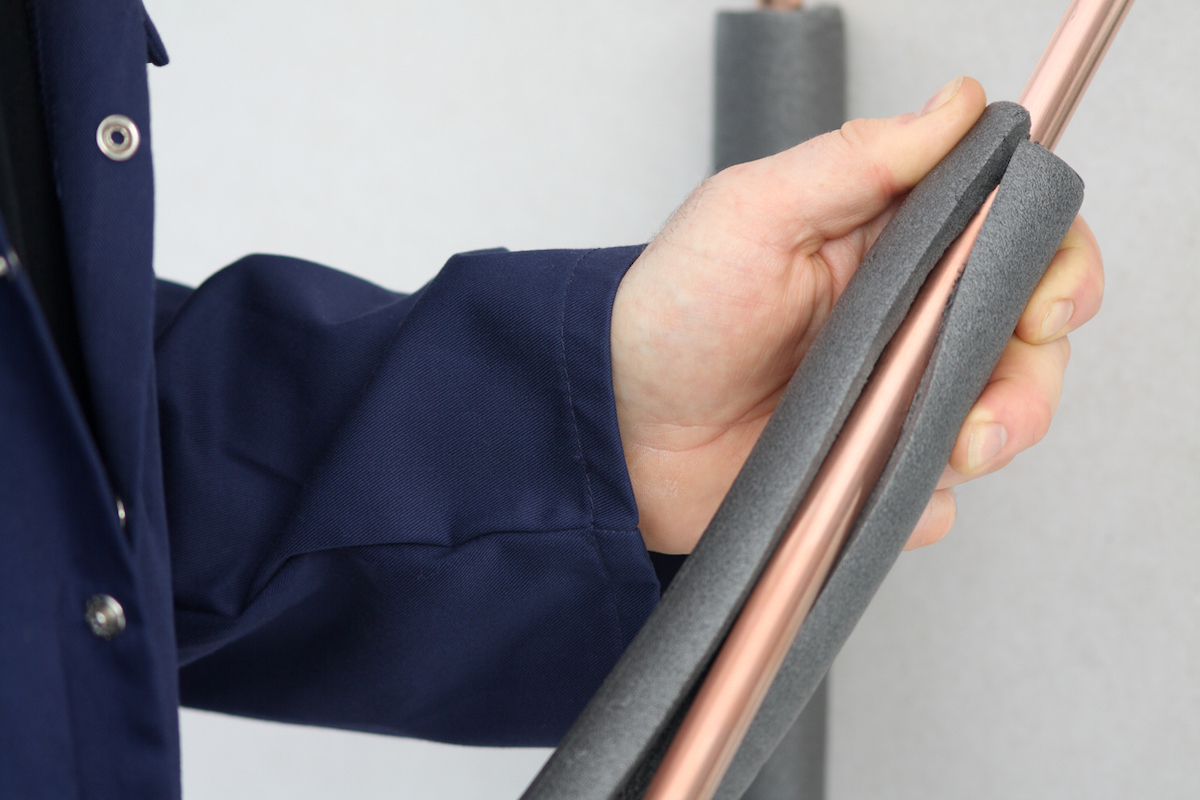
<point>1016,407</point>
<point>832,184</point>
<point>1070,292</point>
<point>936,520</point>
<point>1014,411</point>
<point>1012,414</point>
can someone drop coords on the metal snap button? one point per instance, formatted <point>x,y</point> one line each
<point>117,137</point>
<point>105,616</point>
<point>121,512</point>
<point>9,264</point>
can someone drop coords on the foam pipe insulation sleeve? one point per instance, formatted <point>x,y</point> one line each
<point>1035,205</point>
<point>615,746</point>
<point>796,770</point>
<point>780,79</point>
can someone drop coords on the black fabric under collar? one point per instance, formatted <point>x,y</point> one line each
<point>28,197</point>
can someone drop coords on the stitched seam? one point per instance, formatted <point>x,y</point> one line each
<point>562,350</point>
<point>615,607</point>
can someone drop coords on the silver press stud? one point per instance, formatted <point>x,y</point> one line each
<point>121,512</point>
<point>105,616</point>
<point>118,137</point>
<point>9,263</point>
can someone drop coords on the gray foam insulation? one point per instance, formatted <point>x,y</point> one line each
<point>780,79</point>
<point>1036,203</point>
<point>615,745</point>
<point>796,768</point>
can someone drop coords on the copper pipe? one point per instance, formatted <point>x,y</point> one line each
<point>1068,64</point>
<point>764,631</point>
<point>768,623</point>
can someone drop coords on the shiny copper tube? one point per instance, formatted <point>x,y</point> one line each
<point>768,623</point>
<point>764,630</point>
<point>1068,65</point>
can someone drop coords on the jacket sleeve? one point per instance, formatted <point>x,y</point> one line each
<point>406,514</point>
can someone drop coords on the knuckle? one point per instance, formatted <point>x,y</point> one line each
<point>1041,414</point>
<point>731,174</point>
<point>1096,283</point>
<point>854,132</point>
<point>858,133</point>
<point>950,509</point>
<point>859,137</point>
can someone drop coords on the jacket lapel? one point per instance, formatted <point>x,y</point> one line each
<point>92,58</point>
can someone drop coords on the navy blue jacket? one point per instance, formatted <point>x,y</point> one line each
<point>343,506</point>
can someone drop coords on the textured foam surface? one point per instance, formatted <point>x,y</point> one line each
<point>616,743</point>
<point>796,769</point>
<point>780,79</point>
<point>1037,201</point>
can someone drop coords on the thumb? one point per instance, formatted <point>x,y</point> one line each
<point>828,186</point>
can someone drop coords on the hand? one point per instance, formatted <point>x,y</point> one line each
<point>714,317</point>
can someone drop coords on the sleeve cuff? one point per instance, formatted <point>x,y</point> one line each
<point>586,335</point>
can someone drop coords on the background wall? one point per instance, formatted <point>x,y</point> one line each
<point>1049,648</point>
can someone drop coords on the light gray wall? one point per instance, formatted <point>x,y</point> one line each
<point>1050,647</point>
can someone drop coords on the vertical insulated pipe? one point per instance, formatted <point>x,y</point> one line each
<point>750,657</point>
<point>780,80</point>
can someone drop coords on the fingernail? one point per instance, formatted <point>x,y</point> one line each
<point>1057,316</point>
<point>942,97</point>
<point>987,440</point>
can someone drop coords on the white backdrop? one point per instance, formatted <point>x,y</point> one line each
<point>1049,648</point>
